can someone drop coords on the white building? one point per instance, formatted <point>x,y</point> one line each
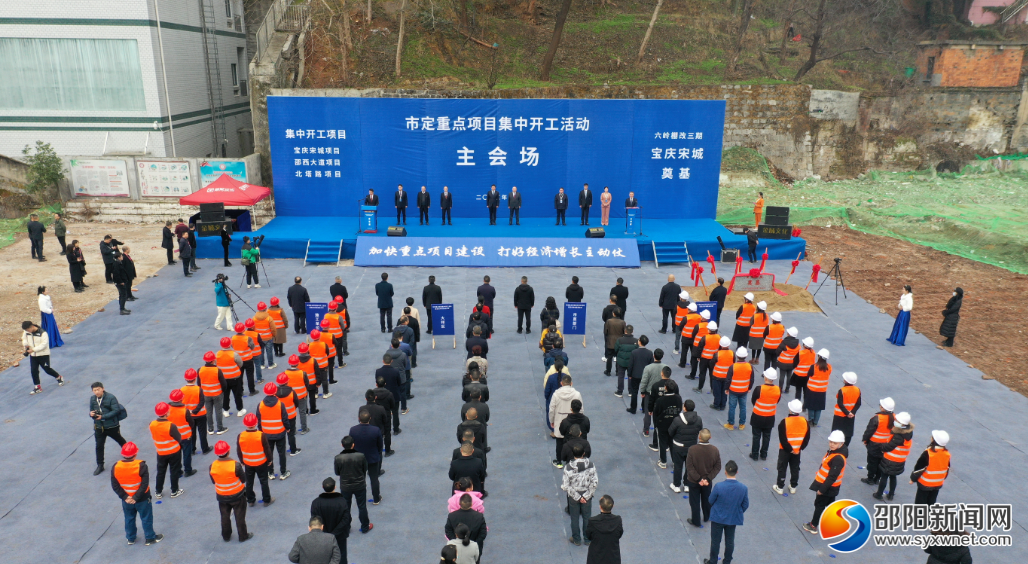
<point>145,77</point>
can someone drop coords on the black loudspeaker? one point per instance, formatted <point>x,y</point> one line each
<point>595,233</point>
<point>729,255</point>
<point>776,215</point>
<point>397,231</point>
<point>213,207</point>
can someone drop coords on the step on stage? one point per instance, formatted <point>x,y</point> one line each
<point>289,237</point>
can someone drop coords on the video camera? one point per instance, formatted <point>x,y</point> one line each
<point>256,241</point>
<point>219,278</point>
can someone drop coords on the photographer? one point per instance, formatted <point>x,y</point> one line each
<point>37,348</point>
<point>251,256</point>
<point>108,248</point>
<point>106,413</point>
<point>224,303</point>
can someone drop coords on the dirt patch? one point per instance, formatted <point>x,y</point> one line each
<point>797,299</point>
<point>20,275</point>
<point>993,332</point>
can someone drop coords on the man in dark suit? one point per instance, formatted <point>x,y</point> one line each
<point>388,378</point>
<point>318,545</point>
<point>384,291</point>
<point>488,293</point>
<point>560,203</point>
<point>718,294</point>
<point>400,200</point>
<point>492,201</point>
<point>467,466</point>
<point>297,297</point>
<point>108,247</point>
<point>368,440</point>
<point>445,203</point>
<point>36,230</point>
<point>514,204</point>
<point>630,201</point>
<point>424,202</point>
<point>574,292</point>
<point>431,294</point>
<point>524,301</point>
<point>621,293</point>
<point>334,513</point>
<point>371,199</point>
<point>477,340</point>
<point>603,532</point>
<point>467,516</point>
<point>669,302</point>
<point>585,201</point>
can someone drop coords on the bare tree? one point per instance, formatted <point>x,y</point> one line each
<point>789,14</point>
<point>649,30</point>
<point>822,23</point>
<point>740,34</point>
<point>367,18</point>
<point>399,38</point>
<point>558,29</point>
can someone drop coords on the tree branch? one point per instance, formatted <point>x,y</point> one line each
<point>853,50</point>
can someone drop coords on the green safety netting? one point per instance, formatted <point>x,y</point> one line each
<point>978,215</point>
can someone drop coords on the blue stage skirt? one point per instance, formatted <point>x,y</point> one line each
<point>49,325</point>
<point>899,329</point>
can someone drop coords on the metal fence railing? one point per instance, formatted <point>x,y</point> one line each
<point>283,15</point>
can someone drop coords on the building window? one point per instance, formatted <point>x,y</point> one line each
<point>228,8</point>
<point>235,75</point>
<point>70,74</point>
<point>241,62</point>
<point>930,69</point>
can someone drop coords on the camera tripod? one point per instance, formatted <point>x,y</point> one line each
<point>835,271</point>
<point>232,304</point>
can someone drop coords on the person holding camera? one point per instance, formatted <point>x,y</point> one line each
<point>224,303</point>
<point>37,348</point>
<point>108,248</point>
<point>107,414</point>
<point>251,256</point>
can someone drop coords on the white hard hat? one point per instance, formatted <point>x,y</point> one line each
<point>691,306</point>
<point>887,404</point>
<point>776,316</point>
<point>837,437</point>
<point>795,406</point>
<point>741,352</point>
<point>823,353</point>
<point>761,305</point>
<point>749,296</point>
<point>808,342</point>
<point>849,377</point>
<point>941,437</point>
<point>792,331</point>
<point>770,374</point>
<point>725,341</point>
<point>684,295</point>
<point>705,314</point>
<point>712,326</point>
<point>903,418</point>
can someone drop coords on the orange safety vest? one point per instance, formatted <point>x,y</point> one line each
<point>227,363</point>
<point>225,480</point>
<point>742,375</point>
<point>191,397</point>
<point>252,447</point>
<point>724,360</point>
<point>775,334</point>
<point>760,321</point>
<point>177,415</point>
<point>746,318</point>
<point>308,367</point>
<point>818,381</point>
<point>795,431</point>
<point>290,406</point>
<point>334,325</point>
<point>319,352</point>
<point>711,344</point>
<point>850,395</point>
<point>264,327</point>
<point>296,383</point>
<point>935,473</point>
<point>680,314</point>
<point>767,403</point>
<point>822,473</point>
<point>807,359</point>
<point>276,316</point>
<point>162,439</point>
<point>899,454</point>
<point>691,321</point>
<point>329,344</point>
<point>239,345</point>
<point>787,355</point>
<point>255,352</point>
<point>701,332</point>
<point>271,419</point>
<point>883,433</point>
<point>127,474</point>
<point>209,381</point>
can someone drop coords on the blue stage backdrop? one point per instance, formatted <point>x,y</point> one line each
<point>327,152</point>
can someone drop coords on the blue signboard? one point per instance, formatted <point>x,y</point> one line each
<point>710,307</point>
<point>369,219</point>
<point>499,251</point>
<point>442,319</point>
<point>315,312</point>
<point>574,318</point>
<point>331,150</point>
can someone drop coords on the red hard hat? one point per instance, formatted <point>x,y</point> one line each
<point>239,328</point>
<point>270,389</point>
<point>128,450</point>
<point>175,395</point>
<point>293,359</point>
<point>338,299</point>
<point>332,306</point>
<point>209,356</point>
<point>282,379</point>
<point>324,324</point>
<point>221,448</point>
<point>250,420</point>
<point>226,342</point>
<point>261,306</point>
<point>162,409</point>
<point>250,322</point>
<point>304,347</point>
<point>315,334</point>
<point>191,373</point>
<point>274,301</point>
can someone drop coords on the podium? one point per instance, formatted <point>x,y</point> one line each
<point>369,219</point>
<point>633,221</point>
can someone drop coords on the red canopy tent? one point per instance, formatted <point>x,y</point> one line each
<point>229,191</point>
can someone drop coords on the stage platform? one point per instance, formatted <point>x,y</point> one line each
<point>287,237</point>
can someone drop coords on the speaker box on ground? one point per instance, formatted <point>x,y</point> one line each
<point>595,233</point>
<point>397,231</point>
<point>776,215</point>
<point>729,255</point>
